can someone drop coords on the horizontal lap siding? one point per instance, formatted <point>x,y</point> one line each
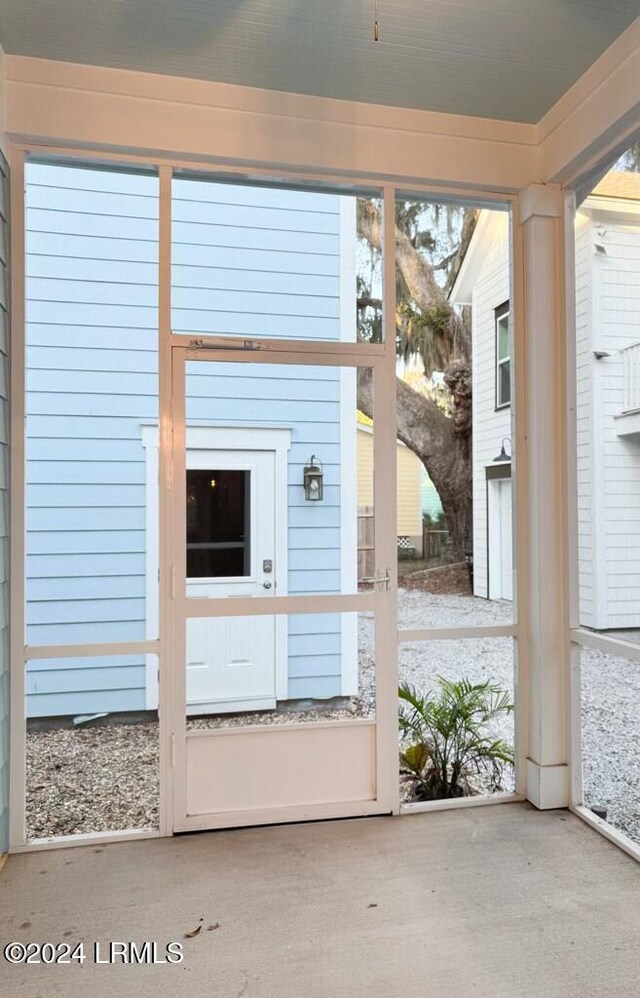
<point>584,415</point>
<point>91,308</point>
<point>280,248</point>
<point>91,685</point>
<point>619,292</point>
<point>314,655</point>
<point>489,426</point>
<point>244,260</point>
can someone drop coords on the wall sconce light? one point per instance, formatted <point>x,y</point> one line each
<point>503,457</point>
<point>312,479</point>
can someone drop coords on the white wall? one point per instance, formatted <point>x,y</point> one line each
<point>490,426</point>
<point>608,463</point>
<point>615,325</point>
<point>584,419</point>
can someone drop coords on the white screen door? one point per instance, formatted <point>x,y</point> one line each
<point>270,630</point>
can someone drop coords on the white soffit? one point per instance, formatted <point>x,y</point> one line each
<point>501,59</point>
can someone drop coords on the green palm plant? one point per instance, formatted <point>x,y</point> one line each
<point>445,747</point>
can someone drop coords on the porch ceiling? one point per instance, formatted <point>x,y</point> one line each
<point>504,59</point>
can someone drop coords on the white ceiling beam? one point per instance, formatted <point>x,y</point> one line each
<point>67,104</point>
<point>597,118</point>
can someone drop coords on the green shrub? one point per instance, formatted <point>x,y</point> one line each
<point>445,749</point>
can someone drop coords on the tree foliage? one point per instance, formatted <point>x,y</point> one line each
<point>630,160</point>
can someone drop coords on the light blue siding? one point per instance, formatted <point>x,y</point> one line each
<point>73,566</point>
<point>105,700</point>
<point>245,261</point>
<point>282,242</point>
<point>91,272</point>
<point>315,658</point>
<point>85,542</point>
<point>318,688</point>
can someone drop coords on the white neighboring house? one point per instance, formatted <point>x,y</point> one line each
<point>607,233</point>
<point>483,283</point>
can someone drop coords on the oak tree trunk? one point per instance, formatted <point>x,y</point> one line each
<point>440,441</point>
<point>445,453</point>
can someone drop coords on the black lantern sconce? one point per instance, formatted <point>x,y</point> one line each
<point>313,475</point>
<point>503,457</point>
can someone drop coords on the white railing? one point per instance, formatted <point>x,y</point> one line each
<point>631,360</point>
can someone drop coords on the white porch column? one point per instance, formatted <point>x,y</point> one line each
<point>542,590</point>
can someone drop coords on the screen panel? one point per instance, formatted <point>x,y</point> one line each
<point>278,490</point>
<point>91,400</point>
<point>265,262</point>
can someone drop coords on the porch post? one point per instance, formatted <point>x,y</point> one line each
<point>543,588</point>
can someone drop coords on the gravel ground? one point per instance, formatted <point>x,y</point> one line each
<point>92,779</point>
<point>611,737</point>
<point>106,777</point>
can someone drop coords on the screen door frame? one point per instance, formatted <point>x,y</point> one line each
<point>374,740</point>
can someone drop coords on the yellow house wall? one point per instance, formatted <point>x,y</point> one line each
<point>409,471</point>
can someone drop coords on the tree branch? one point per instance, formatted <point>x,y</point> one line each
<point>422,426</point>
<point>450,333</point>
<point>366,302</point>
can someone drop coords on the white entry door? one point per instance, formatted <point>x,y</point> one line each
<point>230,539</point>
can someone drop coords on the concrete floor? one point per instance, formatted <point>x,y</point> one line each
<point>631,634</point>
<point>501,902</point>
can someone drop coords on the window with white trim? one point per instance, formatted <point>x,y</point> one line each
<point>503,357</point>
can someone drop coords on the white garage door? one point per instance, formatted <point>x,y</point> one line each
<point>506,541</point>
<point>500,540</point>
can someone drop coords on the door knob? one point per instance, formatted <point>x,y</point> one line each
<point>266,585</point>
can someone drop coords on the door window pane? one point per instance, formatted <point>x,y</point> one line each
<point>218,523</point>
<point>504,390</point>
<point>503,337</point>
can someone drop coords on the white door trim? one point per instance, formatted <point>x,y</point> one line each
<point>212,437</point>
